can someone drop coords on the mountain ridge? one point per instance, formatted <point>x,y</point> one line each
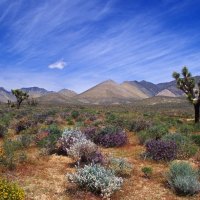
<point>107,91</point>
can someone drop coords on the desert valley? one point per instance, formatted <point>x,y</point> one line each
<point>99,100</point>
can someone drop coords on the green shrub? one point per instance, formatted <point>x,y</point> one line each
<point>158,131</point>
<point>155,132</point>
<point>186,148</point>
<point>147,171</point>
<point>30,131</point>
<point>74,114</point>
<point>183,179</point>
<point>70,122</point>
<point>139,125</point>
<point>3,131</point>
<point>186,129</point>
<point>50,141</point>
<point>121,166</point>
<point>10,191</point>
<point>196,139</point>
<point>6,118</point>
<point>110,117</point>
<point>8,158</point>
<point>197,127</point>
<point>97,179</point>
<point>25,140</point>
<point>54,129</point>
<point>143,136</point>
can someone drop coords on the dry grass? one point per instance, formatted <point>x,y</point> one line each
<point>44,177</point>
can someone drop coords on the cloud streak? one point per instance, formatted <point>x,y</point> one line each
<point>100,39</point>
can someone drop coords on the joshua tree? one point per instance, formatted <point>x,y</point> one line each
<point>192,90</point>
<point>20,96</point>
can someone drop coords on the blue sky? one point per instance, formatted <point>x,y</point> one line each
<point>76,44</point>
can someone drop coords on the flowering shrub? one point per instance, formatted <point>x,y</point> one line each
<point>92,118</point>
<point>183,179</point>
<point>97,179</point>
<point>185,146</point>
<point>121,166</point>
<point>22,124</point>
<point>90,133</point>
<point>10,191</point>
<point>161,150</point>
<point>111,137</point>
<point>85,151</point>
<point>69,137</point>
<point>95,157</point>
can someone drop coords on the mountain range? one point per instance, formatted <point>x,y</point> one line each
<point>107,92</point>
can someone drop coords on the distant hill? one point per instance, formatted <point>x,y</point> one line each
<point>55,97</point>
<point>166,93</point>
<point>135,91</point>
<point>107,92</point>
<point>67,93</point>
<point>111,92</point>
<point>35,92</point>
<point>5,95</point>
<point>151,87</point>
<point>148,88</point>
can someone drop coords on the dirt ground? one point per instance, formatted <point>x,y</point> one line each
<point>44,178</point>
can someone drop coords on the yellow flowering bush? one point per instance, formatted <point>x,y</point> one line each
<point>10,191</point>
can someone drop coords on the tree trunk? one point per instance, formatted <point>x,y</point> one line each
<point>196,109</point>
<point>18,104</point>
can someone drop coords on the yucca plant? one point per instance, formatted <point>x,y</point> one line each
<point>187,84</point>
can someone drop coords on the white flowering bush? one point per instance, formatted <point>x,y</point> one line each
<point>97,179</point>
<point>68,138</point>
<point>85,151</point>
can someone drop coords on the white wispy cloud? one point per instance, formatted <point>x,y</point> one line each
<point>58,65</point>
<point>99,41</point>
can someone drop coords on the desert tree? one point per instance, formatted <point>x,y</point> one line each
<point>187,84</point>
<point>20,96</point>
